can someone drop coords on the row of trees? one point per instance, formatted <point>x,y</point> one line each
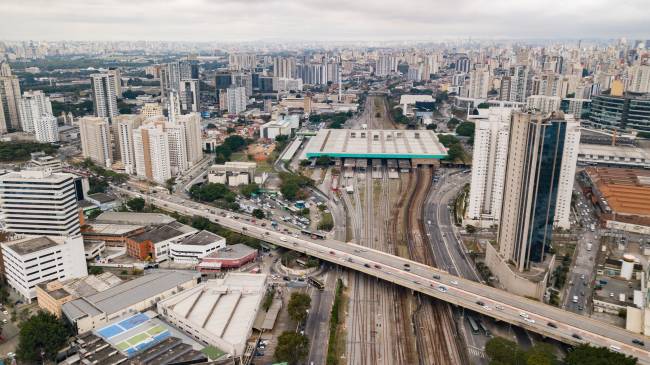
<point>455,150</point>
<point>20,151</point>
<point>505,352</point>
<point>293,347</point>
<point>214,193</point>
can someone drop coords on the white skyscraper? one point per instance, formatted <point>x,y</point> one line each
<point>488,165</point>
<point>284,67</point>
<point>95,137</point>
<point>39,202</point>
<point>151,146</point>
<point>567,172</point>
<point>177,147</point>
<point>192,125</point>
<point>236,100</point>
<point>125,126</point>
<point>33,105</point>
<point>46,129</point>
<point>104,95</point>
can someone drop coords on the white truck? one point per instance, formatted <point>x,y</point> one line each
<point>589,245</point>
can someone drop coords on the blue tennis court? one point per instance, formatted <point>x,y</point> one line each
<point>133,321</point>
<point>110,331</point>
<point>161,336</point>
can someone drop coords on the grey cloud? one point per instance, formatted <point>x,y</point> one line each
<point>224,20</point>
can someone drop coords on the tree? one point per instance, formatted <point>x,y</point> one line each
<point>298,306</point>
<point>323,161</point>
<point>432,126</point>
<point>292,347</point>
<point>587,355</point>
<point>169,184</point>
<point>326,222</point>
<point>136,204</point>
<point>541,354</point>
<point>95,270</point>
<point>258,213</point>
<point>465,129</point>
<point>31,339</point>
<point>94,213</point>
<point>502,351</point>
<point>470,229</point>
<point>249,189</point>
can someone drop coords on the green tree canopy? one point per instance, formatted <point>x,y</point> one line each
<point>502,351</point>
<point>249,189</point>
<point>42,332</point>
<point>136,204</point>
<point>298,306</point>
<point>465,129</point>
<point>258,213</point>
<point>588,355</point>
<point>211,191</point>
<point>292,347</point>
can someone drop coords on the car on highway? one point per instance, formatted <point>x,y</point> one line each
<point>529,320</point>
<point>499,307</point>
<point>441,288</point>
<point>366,265</point>
<point>436,276</point>
<point>283,239</point>
<point>453,282</point>
<point>332,253</point>
<point>576,336</point>
<point>407,269</point>
<point>551,324</point>
<point>523,315</point>
<point>407,265</point>
<point>487,308</point>
<point>638,342</point>
<point>377,266</point>
<point>480,303</point>
<point>614,348</point>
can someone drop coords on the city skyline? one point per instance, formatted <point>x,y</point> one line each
<point>290,20</point>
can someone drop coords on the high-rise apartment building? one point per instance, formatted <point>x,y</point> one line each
<point>188,93</point>
<point>104,95</point>
<point>489,166</point>
<point>535,175</point>
<point>479,83</point>
<point>192,126</point>
<point>96,144</point>
<point>9,100</point>
<point>46,129</point>
<point>39,202</point>
<point>544,104</point>
<point>117,78</point>
<point>151,110</point>
<point>151,146</point>
<point>284,67</point>
<point>32,106</point>
<point>125,125</point>
<point>639,79</point>
<point>514,86</point>
<point>236,100</point>
<point>463,64</point>
<point>242,61</point>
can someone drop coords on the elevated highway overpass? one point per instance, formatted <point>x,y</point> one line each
<point>532,315</point>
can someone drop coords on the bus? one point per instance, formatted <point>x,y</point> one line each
<point>316,283</point>
<point>483,329</point>
<point>473,325</point>
<point>314,235</point>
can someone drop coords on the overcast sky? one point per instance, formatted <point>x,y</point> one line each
<point>322,20</point>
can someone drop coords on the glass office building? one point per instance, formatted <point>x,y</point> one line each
<point>627,113</point>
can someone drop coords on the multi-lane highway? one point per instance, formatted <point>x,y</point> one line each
<point>535,316</point>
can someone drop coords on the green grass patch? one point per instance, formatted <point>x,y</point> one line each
<point>212,352</point>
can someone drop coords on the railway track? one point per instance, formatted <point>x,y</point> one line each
<point>437,337</point>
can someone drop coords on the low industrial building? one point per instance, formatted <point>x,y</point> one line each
<point>34,260</point>
<point>154,243</point>
<point>230,257</point>
<point>285,125</point>
<point>615,156</point>
<point>235,173</point>
<point>113,234</point>
<point>105,201</point>
<point>622,196</point>
<point>420,146</point>
<point>51,296</point>
<point>41,160</point>
<point>408,101</point>
<point>193,248</point>
<point>219,312</point>
<point>96,310</point>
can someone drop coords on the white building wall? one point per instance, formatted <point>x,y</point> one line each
<point>32,106</point>
<point>24,272</point>
<point>567,173</point>
<point>46,129</point>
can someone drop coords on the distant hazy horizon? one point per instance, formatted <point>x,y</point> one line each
<point>330,20</point>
